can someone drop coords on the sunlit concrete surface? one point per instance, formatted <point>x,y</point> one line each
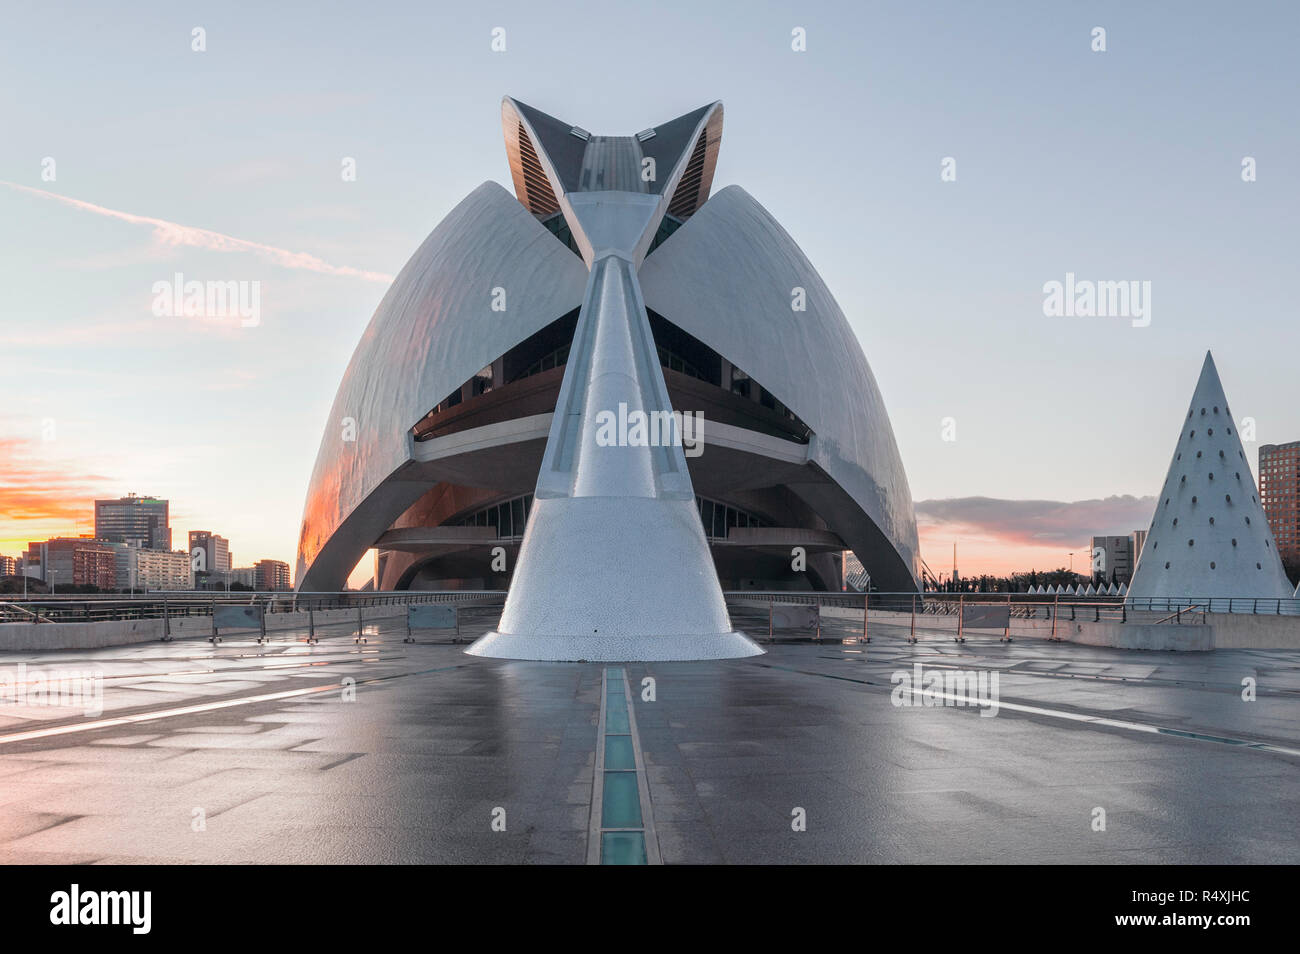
<point>412,770</point>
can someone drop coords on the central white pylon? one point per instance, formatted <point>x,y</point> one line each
<point>614,564</point>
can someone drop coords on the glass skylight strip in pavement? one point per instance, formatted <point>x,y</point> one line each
<point>620,829</point>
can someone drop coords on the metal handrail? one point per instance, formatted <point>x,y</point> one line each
<point>177,603</point>
<point>1178,615</point>
<point>19,608</point>
<point>1029,605</point>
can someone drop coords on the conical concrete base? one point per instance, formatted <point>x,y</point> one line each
<point>1209,537</point>
<point>589,588</point>
<point>497,645</point>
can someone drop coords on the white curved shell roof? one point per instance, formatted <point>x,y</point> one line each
<point>726,277</point>
<point>433,330</point>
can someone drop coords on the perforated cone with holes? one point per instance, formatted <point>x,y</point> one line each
<point>1209,537</point>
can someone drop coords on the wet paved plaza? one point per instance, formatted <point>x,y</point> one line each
<point>396,752</point>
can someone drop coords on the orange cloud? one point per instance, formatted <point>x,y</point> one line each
<point>40,499</point>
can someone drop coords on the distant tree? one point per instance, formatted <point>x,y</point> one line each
<point>14,584</point>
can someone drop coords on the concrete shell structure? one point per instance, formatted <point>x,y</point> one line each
<point>1209,537</point>
<point>433,331</point>
<point>460,445</point>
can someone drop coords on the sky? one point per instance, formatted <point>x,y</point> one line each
<point>128,157</point>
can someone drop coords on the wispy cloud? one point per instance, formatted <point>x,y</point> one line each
<point>92,333</point>
<point>175,234</point>
<point>1038,522</point>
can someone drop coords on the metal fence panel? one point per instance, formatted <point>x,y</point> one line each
<point>431,616</point>
<point>243,616</point>
<point>794,616</point>
<point>985,616</point>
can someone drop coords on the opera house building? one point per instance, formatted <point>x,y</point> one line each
<point>489,432</point>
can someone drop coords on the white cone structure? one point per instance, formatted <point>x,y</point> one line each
<point>1123,590</point>
<point>1209,537</point>
<point>614,564</point>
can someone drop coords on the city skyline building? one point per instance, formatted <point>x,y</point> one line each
<point>271,575</point>
<point>210,553</point>
<point>1279,491</point>
<point>110,565</point>
<point>139,521</point>
<point>1112,558</point>
<point>72,561</point>
<point>161,569</point>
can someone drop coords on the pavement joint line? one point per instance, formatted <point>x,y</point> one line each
<point>597,780</point>
<point>1146,727</point>
<point>162,674</point>
<point>150,716</point>
<point>653,856</point>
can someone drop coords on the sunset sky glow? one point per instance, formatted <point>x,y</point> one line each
<point>1122,166</point>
